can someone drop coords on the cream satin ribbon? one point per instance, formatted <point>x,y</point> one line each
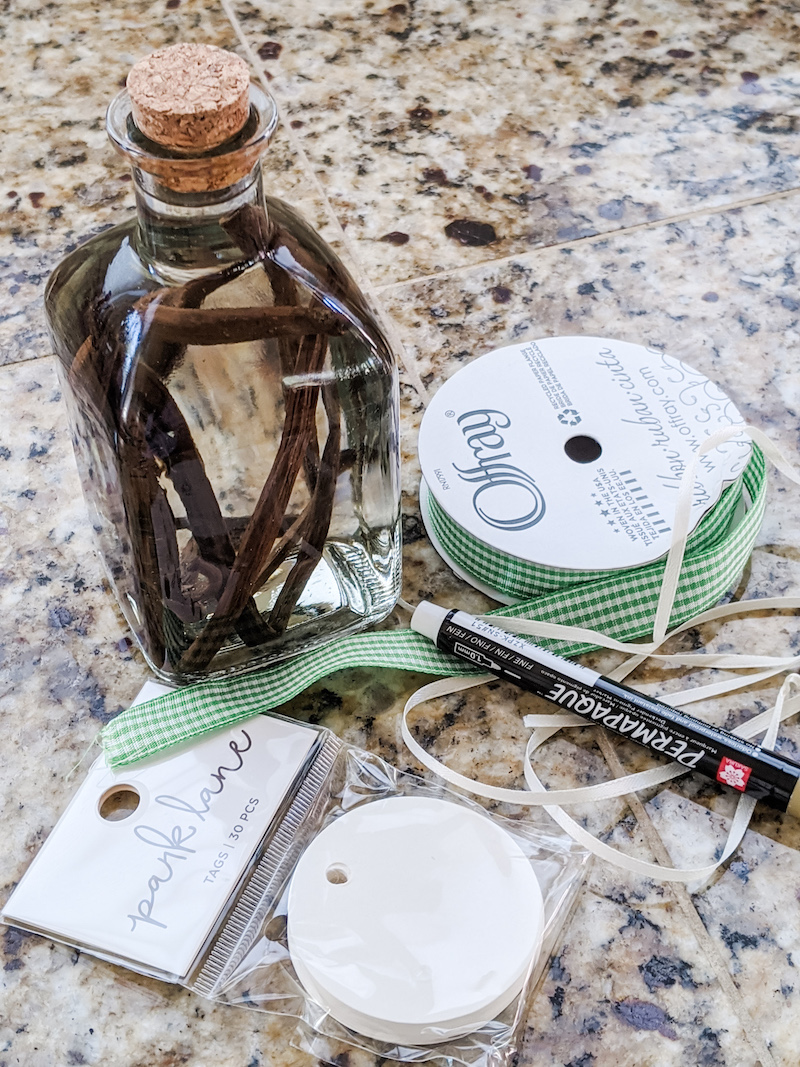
<point>544,726</point>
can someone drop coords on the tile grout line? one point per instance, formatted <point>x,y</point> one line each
<point>376,291</point>
<point>682,898</point>
<point>484,264</point>
<point>386,319</point>
<point>26,359</point>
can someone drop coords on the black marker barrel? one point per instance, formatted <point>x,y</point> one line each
<point>719,755</point>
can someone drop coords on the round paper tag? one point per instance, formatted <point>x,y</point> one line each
<point>569,451</point>
<point>414,920</point>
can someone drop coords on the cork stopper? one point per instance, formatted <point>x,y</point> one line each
<point>190,96</point>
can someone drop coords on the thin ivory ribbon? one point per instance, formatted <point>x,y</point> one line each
<point>544,726</point>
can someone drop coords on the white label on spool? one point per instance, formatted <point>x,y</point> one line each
<point>414,920</point>
<point>569,451</point>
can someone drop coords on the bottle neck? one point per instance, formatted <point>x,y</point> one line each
<point>184,198</point>
<point>181,235</point>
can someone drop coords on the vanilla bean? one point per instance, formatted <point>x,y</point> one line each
<point>317,523</point>
<point>141,496</point>
<point>94,377</point>
<point>92,373</point>
<point>285,293</point>
<point>282,547</point>
<point>169,439</point>
<point>253,232</point>
<point>256,235</point>
<point>318,514</point>
<point>165,357</point>
<point>299,424</point>
<point>215,326</point>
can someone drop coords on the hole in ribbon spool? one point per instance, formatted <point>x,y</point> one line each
<point>118,803</point>
<point>583,449</point>
<point>337,874</point>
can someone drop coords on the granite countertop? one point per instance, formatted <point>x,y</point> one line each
<point>490,172</point>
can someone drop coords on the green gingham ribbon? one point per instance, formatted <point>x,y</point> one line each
<point>519,578</point>
<point>621,604</point>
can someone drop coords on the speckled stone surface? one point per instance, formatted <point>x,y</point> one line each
<point>476,131</point>
<point>491,172</point>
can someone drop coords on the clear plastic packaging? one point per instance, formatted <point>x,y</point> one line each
<point>265,978</point>
<point>298,875</point>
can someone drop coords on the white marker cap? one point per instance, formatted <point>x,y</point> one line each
<point>428,618</point>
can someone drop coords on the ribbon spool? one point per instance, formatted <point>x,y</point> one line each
<point>557,463</point>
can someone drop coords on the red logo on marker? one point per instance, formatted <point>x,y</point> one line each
<point>733,774</point>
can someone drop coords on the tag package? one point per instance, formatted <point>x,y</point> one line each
<point>273,866</point>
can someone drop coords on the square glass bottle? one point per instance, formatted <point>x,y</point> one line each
<point>233,402</point>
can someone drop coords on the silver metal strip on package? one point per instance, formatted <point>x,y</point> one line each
<point>268,876</point>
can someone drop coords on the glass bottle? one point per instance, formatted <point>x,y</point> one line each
<point>234,411</point>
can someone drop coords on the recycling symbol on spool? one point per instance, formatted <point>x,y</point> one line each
<point>569,417</point>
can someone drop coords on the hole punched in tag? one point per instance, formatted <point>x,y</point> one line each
<point>118,803</point>
<point>338,874</point>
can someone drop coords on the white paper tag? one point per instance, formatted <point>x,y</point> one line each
<point>569,451</point>
<point>149,888</point>
<point>422,967</point>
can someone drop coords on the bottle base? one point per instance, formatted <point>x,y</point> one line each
<point>346,593</point>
